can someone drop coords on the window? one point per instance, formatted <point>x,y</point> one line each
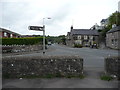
<point>11,35</point>
<point>112,41</point>
<point>85,37</point>
<point>5,34</point>
<point>79,37</point>
<point>116,41</point>
<point>91,37</point>
<point>75,38</point>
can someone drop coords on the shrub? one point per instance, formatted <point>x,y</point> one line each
<point>78,45</point>
<point>106,78</point>
<point>22,41</point>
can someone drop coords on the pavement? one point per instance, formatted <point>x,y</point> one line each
<point>93,68</point>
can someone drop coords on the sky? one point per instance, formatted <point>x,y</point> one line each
<point>18,15</point>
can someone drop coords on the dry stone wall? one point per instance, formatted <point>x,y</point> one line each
<point>112,66</point>
<point>20,48</point>
<point>16,67</point>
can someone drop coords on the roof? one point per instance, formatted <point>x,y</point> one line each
<point>5,30</point>
<point>104,20</point>
<point>84,32</point>
<point>115,29</point>
<point>68,33</point>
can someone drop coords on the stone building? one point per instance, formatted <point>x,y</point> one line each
<point>112,38</point>
<point>4,33</point>
<point>84,37</point>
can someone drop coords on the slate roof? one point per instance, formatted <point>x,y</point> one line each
<point>114,29</point>
<point>104,20</point>
<point>84,32</point>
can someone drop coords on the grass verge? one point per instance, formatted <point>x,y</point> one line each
<point>106,78</point>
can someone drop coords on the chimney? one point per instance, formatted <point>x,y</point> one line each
<point>71,28</point>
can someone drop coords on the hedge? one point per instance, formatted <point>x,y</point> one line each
<point>78,45</point>
<point>22,41</point>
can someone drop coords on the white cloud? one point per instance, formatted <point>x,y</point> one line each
<point>19,14</point>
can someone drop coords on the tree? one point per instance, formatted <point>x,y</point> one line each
<point>114,18</point>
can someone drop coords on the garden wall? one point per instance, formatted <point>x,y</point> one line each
<point>58,66</point>
<point>112,66</point>
<point>20,48</point>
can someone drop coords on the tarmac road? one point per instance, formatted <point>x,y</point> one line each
<point>93,68</point>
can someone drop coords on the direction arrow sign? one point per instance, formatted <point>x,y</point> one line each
<point>37,28</point>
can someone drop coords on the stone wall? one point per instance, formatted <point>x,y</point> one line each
<point>20,48</point>
<point>112,66</point>
<point>16,67</point>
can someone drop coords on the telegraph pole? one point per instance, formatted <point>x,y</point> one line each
<point>43,39</point>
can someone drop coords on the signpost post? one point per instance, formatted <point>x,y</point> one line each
<point>39,28</point>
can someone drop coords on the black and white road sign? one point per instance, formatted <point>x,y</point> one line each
<point>37,28</point>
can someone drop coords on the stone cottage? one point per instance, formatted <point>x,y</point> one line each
<point>112,38</point>
<point>84,37</point>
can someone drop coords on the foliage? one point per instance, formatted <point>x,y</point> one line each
<point>106,78</point>
<point>94,42</point>
<point>57,39</point>
<point>63,39</point>
<point>57,75</point>
<point>22,41</point>
<point>52,39</point>
<point>114,18</point>
<point>73,76</point>
<point>78,45</point>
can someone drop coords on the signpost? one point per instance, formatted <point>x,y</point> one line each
<point>39,28</point>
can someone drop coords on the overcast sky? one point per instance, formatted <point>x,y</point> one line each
<point>17,15</point>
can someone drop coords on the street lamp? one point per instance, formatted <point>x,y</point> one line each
<point>44,35</point>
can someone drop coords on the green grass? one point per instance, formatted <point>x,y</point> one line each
<point>106,78</point>
<point>57,75</point>
<point>73,76</point>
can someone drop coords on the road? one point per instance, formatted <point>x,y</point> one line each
<point>92,57</point>
<point>93,68</point>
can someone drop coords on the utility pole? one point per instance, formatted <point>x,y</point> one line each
<point>43,39</point>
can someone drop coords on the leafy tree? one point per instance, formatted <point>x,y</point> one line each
<point>114,18</point>
<point>57,39</point>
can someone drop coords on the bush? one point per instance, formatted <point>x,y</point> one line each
<point>22,41</point>
<point>106,78</point>
<point>78,45</point>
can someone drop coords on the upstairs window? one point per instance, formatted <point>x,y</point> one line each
<point>79,37</point>
<point>85,37</point>
<point>91,37</point>
<point>75,38</point>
